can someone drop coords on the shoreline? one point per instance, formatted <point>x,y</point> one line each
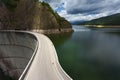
<point>102,26</point>
<point>53,31</point>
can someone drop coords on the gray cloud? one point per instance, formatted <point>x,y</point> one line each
<point>53,3</point>
<point>91,6</point>
<point>46,0</point>
<point>75,10</point>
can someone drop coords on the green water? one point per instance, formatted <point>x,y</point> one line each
<point>89,54</point>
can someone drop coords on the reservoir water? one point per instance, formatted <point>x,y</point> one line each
<point>89,54</point>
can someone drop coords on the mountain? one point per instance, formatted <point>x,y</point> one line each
<point>31,15</point>
<point>76,22</point>
<point>108,20</point>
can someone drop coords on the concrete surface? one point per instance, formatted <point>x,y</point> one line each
<point>29,56</point>
<point>16,50</point>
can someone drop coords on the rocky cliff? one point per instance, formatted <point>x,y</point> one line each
<point>30,15</point>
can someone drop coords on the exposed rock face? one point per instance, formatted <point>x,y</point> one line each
<point>30,15</point>
<point>4,15</point>
<point>44,18</point>
<point>24,14</point>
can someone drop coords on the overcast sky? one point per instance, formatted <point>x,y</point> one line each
<point>80,10</point>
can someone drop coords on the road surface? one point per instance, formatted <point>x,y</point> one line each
<point>18,47</point>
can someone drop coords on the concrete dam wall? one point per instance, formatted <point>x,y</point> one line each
<point>16,49</point>
<point>28,56</point>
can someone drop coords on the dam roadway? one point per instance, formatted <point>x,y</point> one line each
<point>43,63</point>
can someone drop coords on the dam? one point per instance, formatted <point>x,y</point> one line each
<point>28,55</point>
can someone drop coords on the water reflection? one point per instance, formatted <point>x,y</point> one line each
<point>80,28</point>
<point>90,55</point>
<point>59,39</point>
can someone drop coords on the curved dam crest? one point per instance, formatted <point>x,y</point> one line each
<point>29,56</point>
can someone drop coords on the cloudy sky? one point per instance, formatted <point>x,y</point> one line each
<point>80,10</point>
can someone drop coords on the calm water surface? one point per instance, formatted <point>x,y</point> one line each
<point>89,54</point>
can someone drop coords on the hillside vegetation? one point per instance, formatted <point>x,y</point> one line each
<point>108,20</point>
<point>30,15</point>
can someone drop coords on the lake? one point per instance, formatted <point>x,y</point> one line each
<point>89,54</point>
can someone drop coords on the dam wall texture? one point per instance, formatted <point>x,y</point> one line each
<point>16,49</point>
